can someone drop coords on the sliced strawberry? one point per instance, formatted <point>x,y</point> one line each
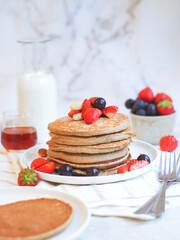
<point>92,99</point>
<point>38,162</point>
<point>85,106</point>
<point>138,164</point>
<point>47,168</point>
<point>161,96</point>
<point>165,107</point>
<point>91,115</point>
<point>133,161</point>
<point>146,95</point>
<point>110,111</point>
<point>122,169</point>
<point>168,143</point>
<point>27,177</point>
<point>73,112</point>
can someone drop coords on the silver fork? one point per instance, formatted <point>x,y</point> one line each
<point>156,204</point>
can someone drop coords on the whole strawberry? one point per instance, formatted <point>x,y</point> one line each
<point>91,115</point>
<point>27,177</point>
<point>168,143</point>
<point>165,107</point>
<point>161,96</point>
<point>146,95</point>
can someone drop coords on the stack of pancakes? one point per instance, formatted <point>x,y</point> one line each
<point>103,144</point>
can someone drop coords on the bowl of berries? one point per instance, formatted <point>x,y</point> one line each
<point>152,116</point>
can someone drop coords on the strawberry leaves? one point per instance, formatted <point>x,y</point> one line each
<point>165,103</point>
<point>27,177</point>
<point>165,107</point>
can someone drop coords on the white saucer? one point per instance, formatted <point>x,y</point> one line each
<point>81,213</point>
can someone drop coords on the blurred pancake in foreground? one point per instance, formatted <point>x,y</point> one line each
<point>34,219</point>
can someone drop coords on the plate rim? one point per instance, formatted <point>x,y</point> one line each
<point>49,191</point>
<point>92,179</point>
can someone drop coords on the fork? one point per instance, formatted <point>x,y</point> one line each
<point>156,204</point>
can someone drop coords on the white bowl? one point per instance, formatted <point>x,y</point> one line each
<point>152,129</point>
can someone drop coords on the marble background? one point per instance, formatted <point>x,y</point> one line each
<point>108,48</point>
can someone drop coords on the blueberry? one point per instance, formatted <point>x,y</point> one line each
<point>65,169</point>
<point>139,104</point>
<point>92,171</point>
<point>129,103</point>
<point>99,103</point>
<point>151,109</point>
<point>141,112</point>
<point>144,157</point>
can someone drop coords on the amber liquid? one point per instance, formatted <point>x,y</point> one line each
<point>18,138</point>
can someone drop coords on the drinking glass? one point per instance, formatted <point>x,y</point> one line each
<point>18,131</point>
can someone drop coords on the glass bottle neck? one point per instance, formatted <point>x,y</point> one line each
<point>34,56</point>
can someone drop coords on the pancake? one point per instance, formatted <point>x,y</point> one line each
<point>93,149</point>
<point>100,165</point>
<point>79,158</point>
<point>34,219</point>
<point>85,141</point>
<point>104,125</point>
<point>103,172</point>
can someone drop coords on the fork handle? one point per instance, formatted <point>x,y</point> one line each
<point>159,207</point>
<point>147,206</point>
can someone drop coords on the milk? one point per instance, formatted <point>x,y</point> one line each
<point>37,92</point>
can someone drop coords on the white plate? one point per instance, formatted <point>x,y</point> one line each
<point>81,213</point>
<point>136,148</point>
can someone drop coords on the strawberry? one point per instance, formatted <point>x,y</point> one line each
<point>92,99</point>
<point>38,162</point>
<point>85,106</point>
<point>133,161</point>
<point>146,94</point>
<point>73,112</point>
<point>110,111</point>
<point>161,96</point>
<point>27,177</point>
<point>168,143</point>
<point>91,115</point>
<point>122,169</point>
<point>43,165</point>
<point>165,107</point>
<point>138,164</point>
<point>47,168</point>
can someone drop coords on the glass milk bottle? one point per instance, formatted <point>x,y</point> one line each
<point>37,90</point>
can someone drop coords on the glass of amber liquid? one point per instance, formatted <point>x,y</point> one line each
<point>18,131</point>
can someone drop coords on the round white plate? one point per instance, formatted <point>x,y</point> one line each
<point>136,148</point>
<point>81,213</point>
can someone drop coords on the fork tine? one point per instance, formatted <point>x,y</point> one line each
<point>160,165</point>
<point>165,170</point>
<point>177,166</point>
<point>170,165</point>
<point>174,164</point>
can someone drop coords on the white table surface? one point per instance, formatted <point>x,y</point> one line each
<point>124,47</point>
<point>166,227</point>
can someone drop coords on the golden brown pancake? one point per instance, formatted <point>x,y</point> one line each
<point>104,125</point>
<point>100,165</point>
<point>87,158</point>
<point>93,149</point>
<point>84,141</point>
<point>103,144</point>
<point>34,219</point>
